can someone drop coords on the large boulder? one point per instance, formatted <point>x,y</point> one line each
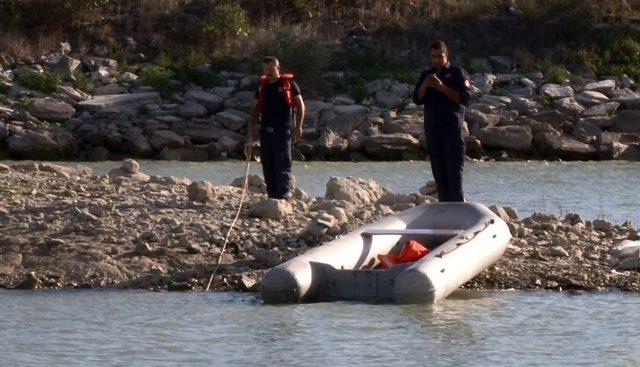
<point>627,122</point>
<point>591,98</point>
<point>212,102</point>
<point>569,106</point>
<point>138,144</point>
<point>232,119</point>
<point>331,145</point>
<point>388,100</point>
<point>391,146</point>
<point>271,209</point>
<point>43,146</point>
<point>51,109</point>
<point>556,91</point>
<point>516,138</point>
<point>603,86</point>
<point>556,119</point>
<point>204,134</point>
<point>166,138</point>
<point>201,191</point>
<point>562,147</point>
<point>586,132</point>
<point>344,119</point>
<point>605,109</point>
<point>354,190</point>
<point>120,102</point>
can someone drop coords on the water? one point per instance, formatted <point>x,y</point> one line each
<point>138,328</point>
<point>592,189</point>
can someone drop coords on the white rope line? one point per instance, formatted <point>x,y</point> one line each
<point>245,184</point>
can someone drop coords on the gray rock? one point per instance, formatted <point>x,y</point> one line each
<point>603,225</point>
<point>110,89</point>
<point>166,139</point>
<point>586,132</point>
<point>4,168</point>
<point>255,184</point>
<point>556,91</point>
<point>603,86</point>
<point>119,102</point>
<point>484,82</point>
<point>213,103</point>
<point>143,249</point>
<point>354,190</point>
<point>66,67</point>
<point>46,146</point>
<point>138,144</point>
<point>4,131</point>
<point>555,118</point>
<point>270,208</point>
<point>516,138</point>
<point>51,109</point>
<point>603,122</point>
<point>630,263</point>
<point>569,106</point>
<point>201,191</point>
<point>119,174</point>
<point>388,100</point>
<point>233,119</point>
<point>561,147</point>
<point>344,119</point>
<point>501,64</point>
<point>525,106</point>
<point>605,109</point>
<point>66,92</point>
<point>331,145</point>
<point>558,251</point>
<point>627,121</point>
<point>192,109</point>
<point>478,120</point>
<point>392,146</point>
<point>130,166</point>
<point>357,140</point>
<point>591,98</point>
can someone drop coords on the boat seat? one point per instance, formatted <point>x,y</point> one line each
<point>411,232</point>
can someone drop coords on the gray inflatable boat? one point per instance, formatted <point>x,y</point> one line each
<point>464,238</point>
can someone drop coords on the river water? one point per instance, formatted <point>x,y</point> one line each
<point>139,328</point>
<point>607,190</point>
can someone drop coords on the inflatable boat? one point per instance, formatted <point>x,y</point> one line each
<point>464,239</point>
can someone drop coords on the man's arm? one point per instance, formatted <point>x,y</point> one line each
<point>420,89</point>
<point>451,93</point>
<point>300,110</point>
<point>253,119</point>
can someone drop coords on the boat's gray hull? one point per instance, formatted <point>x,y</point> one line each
<point>343,269</point>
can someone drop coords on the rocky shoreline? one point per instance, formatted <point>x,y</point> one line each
<point>64,228</point>
<point>513,115</point>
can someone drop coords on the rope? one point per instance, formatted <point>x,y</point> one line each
<point>245,184</point>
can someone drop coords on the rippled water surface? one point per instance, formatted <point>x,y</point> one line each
<point>138,328</point>
<point>592,189</point>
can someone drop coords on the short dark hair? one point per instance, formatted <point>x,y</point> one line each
<point>439,45</point>
<point>270,59</point>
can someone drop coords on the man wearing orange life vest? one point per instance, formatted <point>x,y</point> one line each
<point>276,100</point>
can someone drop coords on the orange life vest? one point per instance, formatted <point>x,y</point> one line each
<point>286,87</point>
<point>412,251</point>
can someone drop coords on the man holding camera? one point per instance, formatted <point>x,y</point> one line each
<point>444,91</point>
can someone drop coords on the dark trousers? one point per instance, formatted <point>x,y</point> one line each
<point>446,152</point>
<point>275,156</point>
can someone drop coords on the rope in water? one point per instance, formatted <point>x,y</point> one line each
<point>245,184</point>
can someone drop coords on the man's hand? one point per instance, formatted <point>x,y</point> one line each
<point>433,81</point>
<point>297,134</point>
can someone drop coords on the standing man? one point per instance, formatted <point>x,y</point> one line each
<point>444,91</point>
<point>276,99</point>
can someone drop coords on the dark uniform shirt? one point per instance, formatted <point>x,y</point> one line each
<point>276,113</point>
<point>440,110</point>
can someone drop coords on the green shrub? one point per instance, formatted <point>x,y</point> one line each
<point>46,82</point>
<point>228,20</point>
<point>4,87</point>
<point>622,57</point>
<point>4,101</point>
<point>159,78</point>
<point>84,82</point>
<point>187,70</point>
<point>359,93</point>
<point>556,74</point>
<point>304,55</point>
